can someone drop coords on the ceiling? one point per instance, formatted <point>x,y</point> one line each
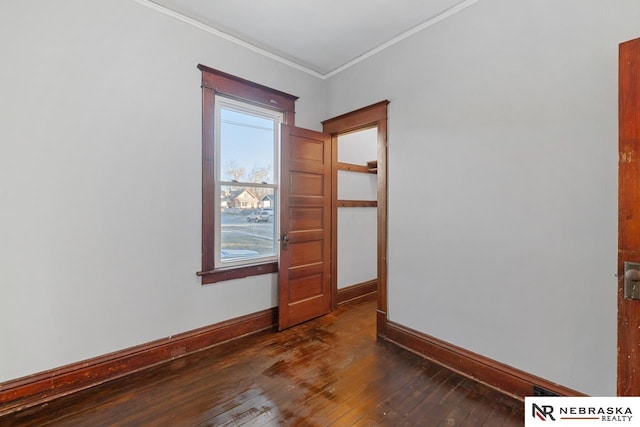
<point>320,37</point>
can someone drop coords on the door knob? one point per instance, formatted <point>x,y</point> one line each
<point>632,275</point>
<point>632,280</point>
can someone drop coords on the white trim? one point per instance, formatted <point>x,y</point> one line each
<point>228,37</point>
<point>447,13</point>
<point>408,33</point>
<point>222,102</point>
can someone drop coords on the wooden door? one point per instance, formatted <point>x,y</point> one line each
<point>305,226</point>
<point>628,215</point>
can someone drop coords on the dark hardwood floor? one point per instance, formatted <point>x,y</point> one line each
<point>328,372</point>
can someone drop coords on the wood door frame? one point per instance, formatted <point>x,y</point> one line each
<point>374,115</point>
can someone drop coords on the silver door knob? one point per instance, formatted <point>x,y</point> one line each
<point>632,275</point>
<point>631,284</point>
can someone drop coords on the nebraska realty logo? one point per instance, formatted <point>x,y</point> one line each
<point>582,411</point>
<point>543,412</point>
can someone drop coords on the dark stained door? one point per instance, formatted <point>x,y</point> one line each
<point>305,226</point>
<point>628,215</point>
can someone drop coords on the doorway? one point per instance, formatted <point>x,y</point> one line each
<point>361,122</point>
<point>308,277</point>
<point>354,203</point>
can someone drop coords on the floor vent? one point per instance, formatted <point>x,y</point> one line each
<point>539,391</point>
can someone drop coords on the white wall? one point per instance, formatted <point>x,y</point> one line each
<point>357,227</point>
<point>100,179</point>
<point>357,246</point>
<point>503,134</point>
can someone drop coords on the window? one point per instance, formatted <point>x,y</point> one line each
<point>246,144</point>
<point>240,175</point>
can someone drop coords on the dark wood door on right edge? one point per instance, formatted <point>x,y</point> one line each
<point>628,215</point>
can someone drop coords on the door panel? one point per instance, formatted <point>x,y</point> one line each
<point>628,215</point>
<point>306,287</point>
<point>308,150</point>
<point>306,218</point>
<point>307,184</point>
<point>305,226</point>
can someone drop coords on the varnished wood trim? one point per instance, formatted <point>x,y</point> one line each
<point>217,82</point>
<point>246,90</point>
<point>381,322</point>
<point>354,120</point>
<point>208,192</point>
<point>504,378</point>
<point>341,166</point>
<point>42,387</point>
<point>334,222</point>
<point>222,274</point>
<point>358,291</point>
<point>382,178</point>
<point>356,203</point>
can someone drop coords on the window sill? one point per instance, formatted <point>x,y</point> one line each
<point>229,273</point>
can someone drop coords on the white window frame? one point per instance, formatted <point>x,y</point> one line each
<point>222,102</point>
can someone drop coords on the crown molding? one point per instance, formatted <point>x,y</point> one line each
<point>426,24</point>
<point>207,28</point>
<point>225,36</point>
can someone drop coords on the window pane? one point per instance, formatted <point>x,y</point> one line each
<point>247,223</point>
<point>246,147</point>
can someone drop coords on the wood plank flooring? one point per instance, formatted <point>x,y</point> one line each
<point>328,372</point>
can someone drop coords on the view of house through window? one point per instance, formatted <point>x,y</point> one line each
<point>246,182</point>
